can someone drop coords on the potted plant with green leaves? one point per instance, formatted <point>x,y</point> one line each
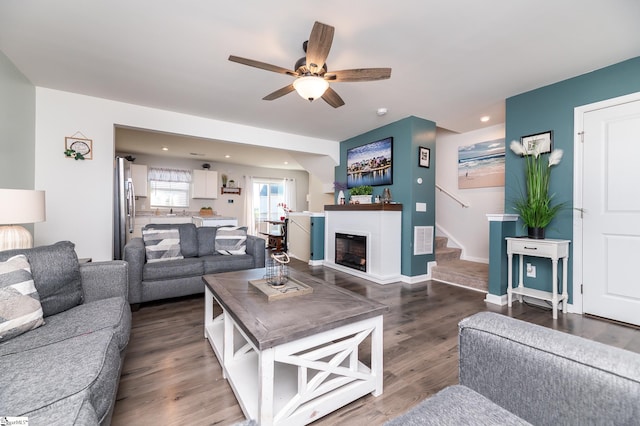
<point>536,207</point>
<point>361,194</point>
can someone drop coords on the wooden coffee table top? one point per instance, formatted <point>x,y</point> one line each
<point>269,324</point>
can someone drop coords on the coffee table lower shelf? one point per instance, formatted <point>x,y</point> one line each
<point>297,382</point>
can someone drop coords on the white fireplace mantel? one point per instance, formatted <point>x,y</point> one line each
<point>381,224</point>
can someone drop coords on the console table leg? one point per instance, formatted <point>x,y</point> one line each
<point>565,291</point>
<point>554,287</point>
<point>510,280</point>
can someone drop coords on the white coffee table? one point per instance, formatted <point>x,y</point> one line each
<point>292,361</point>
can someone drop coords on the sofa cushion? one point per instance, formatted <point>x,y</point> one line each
<point>206,240</point>
<point>112,314</point>
<point>231,240</point>
<point>20,308</point>
<point>456,405</point>
<point>220,263</point>
<point>161,245</point>
<point>86,365</point>
<point>188,236</point>
<point>172,269</point>
<point>56,275</point>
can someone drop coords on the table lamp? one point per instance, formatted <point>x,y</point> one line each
<point>19,206</point>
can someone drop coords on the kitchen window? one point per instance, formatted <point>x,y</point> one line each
<point>169,187</point>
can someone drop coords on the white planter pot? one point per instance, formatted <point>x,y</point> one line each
<point>361,199</point>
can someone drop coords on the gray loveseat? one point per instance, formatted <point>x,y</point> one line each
<point>516,373</point>
<point>181,277</point>
<point>66,372</point>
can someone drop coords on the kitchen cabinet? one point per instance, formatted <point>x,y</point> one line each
<point>204,184</point>
<point>140,181</point>
<point>142,221</point>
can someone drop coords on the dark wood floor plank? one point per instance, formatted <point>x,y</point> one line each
<point>171,375</point>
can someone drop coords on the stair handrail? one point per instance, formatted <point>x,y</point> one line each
<point>453,197</point>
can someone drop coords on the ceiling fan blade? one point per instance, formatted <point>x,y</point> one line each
<point>279,93</point>
<point>318,46</point>
<point>332,98</point>
<point>359,74</point>
<point>261,65</point>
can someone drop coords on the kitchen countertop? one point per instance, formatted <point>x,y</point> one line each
<point>215,217</point>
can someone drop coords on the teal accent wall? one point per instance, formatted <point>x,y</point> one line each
<point>408,134</point>
<point>317,238</point>
<point>552,108</point>
<point>498,263</point>
<point>17,127</point>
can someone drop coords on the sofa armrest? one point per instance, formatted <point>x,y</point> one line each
<point>548,377</point>
<point>256,247</point>
<point>134,254</point>
<point>101,280</point>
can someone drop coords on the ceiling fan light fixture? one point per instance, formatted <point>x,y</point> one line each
<point>310,87</point>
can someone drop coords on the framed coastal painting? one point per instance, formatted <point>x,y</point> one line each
<point>370,164</point>
<point>481,165</point>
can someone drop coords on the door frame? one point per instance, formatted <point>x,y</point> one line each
<point>578,173</point>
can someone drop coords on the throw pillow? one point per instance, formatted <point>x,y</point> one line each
<point>231,240</point>
<point>162,244</point>
<point>56,275</point>
<point>20,309</point>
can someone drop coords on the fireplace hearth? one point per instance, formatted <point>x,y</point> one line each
<point>351,251</point>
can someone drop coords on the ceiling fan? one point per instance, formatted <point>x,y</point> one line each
<point>311,73</point>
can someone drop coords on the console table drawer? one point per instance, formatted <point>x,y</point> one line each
<point>539,249</point>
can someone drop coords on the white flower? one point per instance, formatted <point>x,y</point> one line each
<point>517,148</point>
<point>555,157</point>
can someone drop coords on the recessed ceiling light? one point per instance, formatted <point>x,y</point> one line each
<point>286,162</point>
<point>381,111</point>
<point>485,118</point>
<point>164,148</point>
<point>227,156</point>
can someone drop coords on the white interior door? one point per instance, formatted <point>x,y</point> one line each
<point>611,220</point>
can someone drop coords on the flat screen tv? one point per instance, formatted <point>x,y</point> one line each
<point>370,164</point>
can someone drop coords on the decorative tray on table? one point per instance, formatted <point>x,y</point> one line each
<point>291,288</point>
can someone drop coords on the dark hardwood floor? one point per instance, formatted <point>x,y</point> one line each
<point>171,375</point>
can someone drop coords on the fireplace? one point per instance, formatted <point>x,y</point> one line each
<point>351,251</point>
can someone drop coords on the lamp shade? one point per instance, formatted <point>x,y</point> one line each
<point>310,87</point>
<point>21,206</point>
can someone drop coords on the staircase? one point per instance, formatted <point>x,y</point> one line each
<point>452,270</point>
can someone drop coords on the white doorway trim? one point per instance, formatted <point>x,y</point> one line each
<point>578,173</point>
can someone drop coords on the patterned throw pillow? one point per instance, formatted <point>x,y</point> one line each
<point>231,240</point>
<point>162,244</point>
<point>20,309</point>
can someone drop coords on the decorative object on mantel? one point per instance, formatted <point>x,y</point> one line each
<point>78,148</point>
<point>535,206</point>
<point>386,195</point>
<point>340,187</point>
<point>361,194</point>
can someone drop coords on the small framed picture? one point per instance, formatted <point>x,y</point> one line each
<point>540,143</point>
<point>424,156</point>
<point>80,145</point>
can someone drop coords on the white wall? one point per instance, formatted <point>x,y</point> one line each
<point>468,227</point>
<point>80,193</point>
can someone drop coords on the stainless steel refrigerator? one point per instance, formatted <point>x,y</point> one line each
<point>124,206</point>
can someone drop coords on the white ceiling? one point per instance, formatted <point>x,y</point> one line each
<point>452,61</point>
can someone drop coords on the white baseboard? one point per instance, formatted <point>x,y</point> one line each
<point>316,262</point>
<point>496,300</point>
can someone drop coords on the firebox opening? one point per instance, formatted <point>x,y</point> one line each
<point>351,251</point>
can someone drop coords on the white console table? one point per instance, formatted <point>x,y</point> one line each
<point>548,248</point>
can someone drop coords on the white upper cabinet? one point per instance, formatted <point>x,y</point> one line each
<point>204,184</point>
<point>140,181</point>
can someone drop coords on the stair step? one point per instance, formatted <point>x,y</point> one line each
<point>463,272</point>
<point>441,242</point>
<point>447,254</point>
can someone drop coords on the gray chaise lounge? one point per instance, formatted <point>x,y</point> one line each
<point>66,372</point>
<point>515,373</point>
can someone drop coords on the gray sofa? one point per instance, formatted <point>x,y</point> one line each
<point>181,277</point>
<point>66,372</point>
<point>516,373</point>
